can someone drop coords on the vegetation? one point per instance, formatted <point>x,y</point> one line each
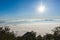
<point>5,34</point>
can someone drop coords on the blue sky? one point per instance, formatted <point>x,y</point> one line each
<point>27,8</point>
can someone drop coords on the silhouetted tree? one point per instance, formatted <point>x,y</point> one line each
<point>5,34</point>
<point>19,38</point>
<point>56,33</point>
<point>29,36</point>
<point>48,37</point>
<point>39,37</point>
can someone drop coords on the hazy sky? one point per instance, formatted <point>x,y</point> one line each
<point>22,15</point>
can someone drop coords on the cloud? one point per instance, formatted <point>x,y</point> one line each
<point>41,26</point>
<point>24,21</point>
<point>49,20</point>
<point>2,21</point>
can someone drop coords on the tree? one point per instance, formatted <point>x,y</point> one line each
<point>5,34</point>
<point>19,38</point>
<point>29,36</point>
<point>48,37</point>
<point>39,37</point>
<point>56,33</point>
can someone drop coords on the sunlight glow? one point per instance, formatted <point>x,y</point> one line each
<point>41,9</point>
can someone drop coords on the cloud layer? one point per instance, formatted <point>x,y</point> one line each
<point>21,21</point>
<point>41,26</point>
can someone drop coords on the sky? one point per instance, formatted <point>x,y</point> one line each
<point>22,15</point>
<point>28,8</point>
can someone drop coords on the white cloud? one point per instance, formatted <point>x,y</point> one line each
<point>41,26</point>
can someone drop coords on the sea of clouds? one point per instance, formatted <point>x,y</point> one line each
<point>40,26</point>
